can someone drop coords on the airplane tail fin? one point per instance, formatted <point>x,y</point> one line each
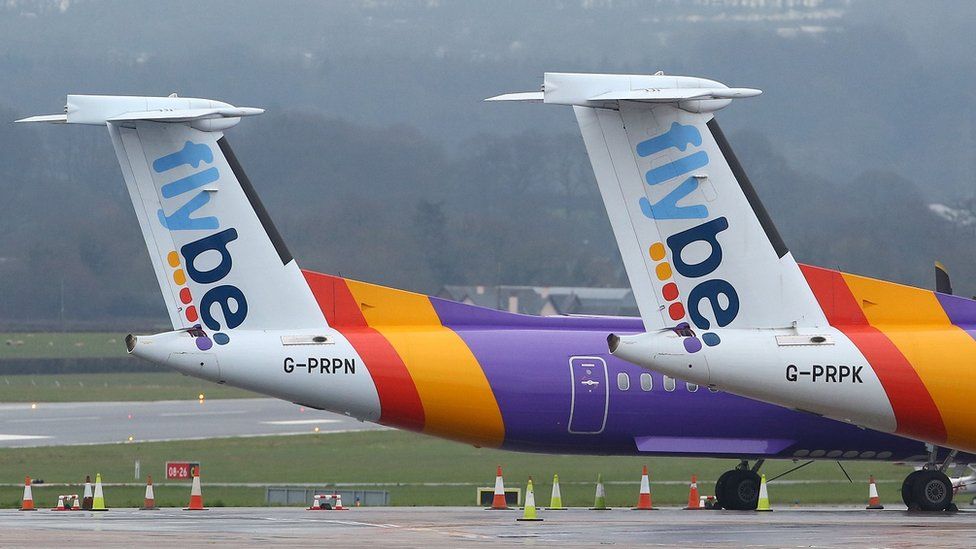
<point>697,244</point>
<point>219,259</point>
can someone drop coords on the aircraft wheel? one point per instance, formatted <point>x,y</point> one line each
<point>932,491</point>
<point>720,490</point>
<point>906,487</point>
<point>741,490</point>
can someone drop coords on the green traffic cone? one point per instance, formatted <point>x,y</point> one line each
<point>600,501</point>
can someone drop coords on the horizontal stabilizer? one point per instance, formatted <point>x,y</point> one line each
<point>691,94</point>
<point>202,114</point>
<point>671,95</point>
<point>529,97</point>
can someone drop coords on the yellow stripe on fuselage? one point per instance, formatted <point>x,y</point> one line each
<point>457,399</point>
<point>943,354</point>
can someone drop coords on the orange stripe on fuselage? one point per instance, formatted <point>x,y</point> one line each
<point>943,354</point>
<point>457,399</point>
<point>915,410</point>
<point>400,404</point>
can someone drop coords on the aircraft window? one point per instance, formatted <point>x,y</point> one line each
<point>668,384</point>
<point>623,381</point>
<point>692,388</point>
<point>647,383</point>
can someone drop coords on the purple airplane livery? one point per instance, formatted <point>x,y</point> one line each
<point>244,314</point>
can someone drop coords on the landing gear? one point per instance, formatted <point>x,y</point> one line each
<point>738,489</point>
<point>927,490</point>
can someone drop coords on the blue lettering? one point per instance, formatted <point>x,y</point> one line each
<point>668,208</point>
<point>215,242</point>
<point>711,290</point>
<point>706,232</point>
<point>676,168</point>
<point>222,296</point>
<point>180,220</point>
<point>189,183</point>
<point>679,137</point>
<point>191,153</point>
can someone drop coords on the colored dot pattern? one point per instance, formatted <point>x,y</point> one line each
<point>203,342</point>
<point>676,309</point>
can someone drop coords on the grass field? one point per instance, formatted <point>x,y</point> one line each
<point>62,345</point>
<point>118,386</point>
<point>407,462</point>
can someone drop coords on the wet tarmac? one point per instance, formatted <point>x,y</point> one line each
<point>472,527</point>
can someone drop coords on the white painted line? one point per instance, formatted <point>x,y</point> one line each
<point>300,421</point>
<point>5,438</point>
<point>224,413</point>
<point>58,419</point>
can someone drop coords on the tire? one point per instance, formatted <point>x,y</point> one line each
<point>741,490</point>
<point>719,490</point>
<point>932,491</point>
<point>906,488</point>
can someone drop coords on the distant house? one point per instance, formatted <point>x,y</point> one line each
<point>547,300</point>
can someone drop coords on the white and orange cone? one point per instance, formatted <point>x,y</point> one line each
<point>498,500</point>
<point>149,501</point>
<point>60,506</point>
<point>644,498</point>
<point>196,494</point>
<point>27,504</point>
<point>694,501</point>
<point>338,502</point>
<point>75,503</point>
<point>874,502</point>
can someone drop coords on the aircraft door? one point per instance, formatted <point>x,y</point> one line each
<point>591,395</point>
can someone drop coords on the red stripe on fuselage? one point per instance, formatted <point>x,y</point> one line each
<point>914,409</point>
<point>400,404</point>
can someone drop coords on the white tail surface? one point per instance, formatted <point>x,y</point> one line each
<point>218,258</point>
<point>696,242</point>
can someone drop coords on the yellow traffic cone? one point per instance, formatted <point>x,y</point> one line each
<point>763,496</point>
<point>98,501</point>
<point>529,515</point>
<point>556,501</point>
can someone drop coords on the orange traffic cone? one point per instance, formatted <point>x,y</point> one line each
<point>60,506</point>
<point>75,503</point>
<point>694,502</point>
<point>874,502</point>
<point>338,502</point>
<point>644,499</point>
<point>196,495</point>
<point>498,500</point>
<point>28,502</point>
<point>149,502</point>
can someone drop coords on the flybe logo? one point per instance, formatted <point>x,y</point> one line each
<point>711,300</point>
<point>187,198</point>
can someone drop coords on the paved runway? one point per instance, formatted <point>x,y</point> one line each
<point>55,424</point>
<point>468,527</point>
